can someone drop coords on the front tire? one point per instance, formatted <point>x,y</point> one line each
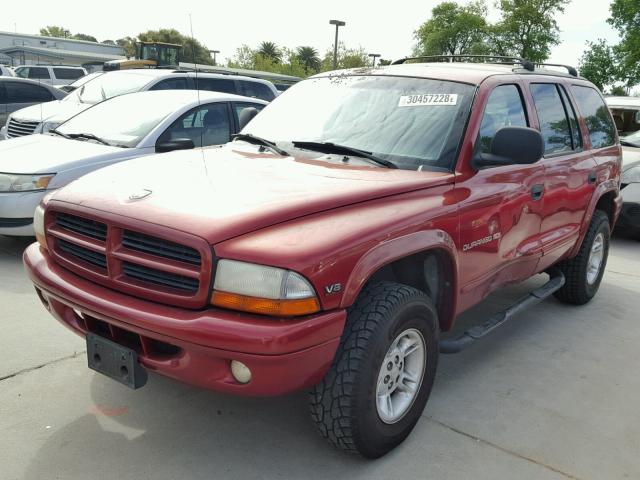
<point>383,371</point>
<point>584,272</point>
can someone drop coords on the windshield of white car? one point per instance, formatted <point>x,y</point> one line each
<point>125,120</point>
<point>107,86</point>
<point>413,123</point>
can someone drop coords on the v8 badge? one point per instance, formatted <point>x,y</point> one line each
<point>333,288</point>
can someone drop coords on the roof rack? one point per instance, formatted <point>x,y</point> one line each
<point>492,59</point>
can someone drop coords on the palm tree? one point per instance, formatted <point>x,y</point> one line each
<point>270,50</point>
<point>308,56</point>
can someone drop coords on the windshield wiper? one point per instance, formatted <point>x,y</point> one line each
<point>328,147</point>
<point>89,136</point>
<point>247,137</point>
<point>56,132</point>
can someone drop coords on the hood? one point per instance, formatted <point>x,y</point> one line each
<point>51,154</point>
<point>57,111</point>
<point>630,157</point>
<point>221,193</point>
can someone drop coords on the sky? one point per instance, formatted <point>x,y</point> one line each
<point>379,27</point>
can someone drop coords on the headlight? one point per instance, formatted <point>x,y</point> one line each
<point>24,183</point>
<point>46,126</point>
<point>38,225</point>
<point>264,290</point>
<point>632,175</point>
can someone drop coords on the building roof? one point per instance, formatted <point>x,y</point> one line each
<point>55,39</point>
<point>58,53</point>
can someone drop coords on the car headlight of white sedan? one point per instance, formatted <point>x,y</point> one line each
<point>10,182</point>
<point>631,175</point>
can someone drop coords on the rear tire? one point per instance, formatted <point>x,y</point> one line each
<point>584,272</point>
<point>378,384</point>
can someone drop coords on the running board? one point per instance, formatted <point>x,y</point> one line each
<point>555,283</point>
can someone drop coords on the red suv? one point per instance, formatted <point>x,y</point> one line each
<point>331,243</point>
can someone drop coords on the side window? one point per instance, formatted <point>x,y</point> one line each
<point>26,93</point>
<point>68,73</point>
<point>576,135</point>
<point>554,124</point>
<point>238,107</point>
<point>602,130</point>
<point>22,72</point>
<point>217,85</point>
<point>256,90</point>
<point>171,84</point>
<point>38,73</point>
<point>504,109</point>
<point>205,125</point>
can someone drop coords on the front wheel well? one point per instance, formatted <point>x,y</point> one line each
<point>432,272</point>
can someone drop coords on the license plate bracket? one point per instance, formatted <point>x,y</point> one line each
<point>115,361</point>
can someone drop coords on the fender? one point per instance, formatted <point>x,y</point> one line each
<point>603,188</point>
<point>395,249</point>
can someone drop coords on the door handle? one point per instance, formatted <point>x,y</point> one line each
<point>593,177</point>
<point>537,191</point>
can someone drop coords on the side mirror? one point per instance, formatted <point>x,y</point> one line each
<point>175,144</point>
<point>246,115</point>
<point>512,145</point>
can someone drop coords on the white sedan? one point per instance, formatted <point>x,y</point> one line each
<point>115,130</point>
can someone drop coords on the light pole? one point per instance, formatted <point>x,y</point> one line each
<point>214,52</point>
<point>338,24</point>
<point>374,56</point>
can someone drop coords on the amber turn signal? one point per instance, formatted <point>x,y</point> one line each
<point>265,306</point>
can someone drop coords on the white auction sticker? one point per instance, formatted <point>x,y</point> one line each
<point>428,99</point>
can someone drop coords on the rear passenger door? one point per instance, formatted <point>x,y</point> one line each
<point>500,212</point>
<point>224,85</point>
<point>207,125</point>
<point>569,168</point>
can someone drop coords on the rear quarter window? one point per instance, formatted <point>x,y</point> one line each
<point>68,73</point>
<point>602,130</point>
<point>256,90</point>
<point>26,93</point>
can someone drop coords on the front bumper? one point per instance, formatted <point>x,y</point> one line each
<point>192,346</point>
<point>16,212</point>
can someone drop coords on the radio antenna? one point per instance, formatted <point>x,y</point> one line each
<point>195,67</point>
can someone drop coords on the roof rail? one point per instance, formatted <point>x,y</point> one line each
<point>497,59</point>
<point>572,71</point>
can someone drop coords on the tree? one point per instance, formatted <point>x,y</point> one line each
<point>598,64</point>
<point>271,51</point>
<point>528,28</point>
<point>82,36</point>
<point>625,17</point>
<point>128,44</point>
<point>382,62</point>
<point>192,50</point>
<point>108,42</point>
<point>308,56</point>
<point>347,58</point>
<point>452,30</point>
<point>54,31</point>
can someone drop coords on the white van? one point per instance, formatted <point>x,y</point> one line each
<point>51,74</point>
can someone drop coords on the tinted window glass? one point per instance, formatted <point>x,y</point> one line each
<point>38,73</point>
<point>596,115</point>
<point>554,125</point>
<point>573,119</point>
<point>217,85</point>
<point>504,109</point>
<point>68,73</point>
<point>206,125</point>
<point>26,93</point>
<point>238,107</point>
<point>256,90</point>
<point>171,84</point>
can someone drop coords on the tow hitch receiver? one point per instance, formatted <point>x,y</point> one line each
<point>556,281</point>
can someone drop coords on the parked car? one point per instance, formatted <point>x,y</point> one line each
<point>626,114</point>
<point>111,84</point>
<point>118,129</point>
<point>80,82</point>
<point>630,215</point>
<point>18,93</point>
<point>6,71</point>
<point>330,245</point>
<point>51,74</point>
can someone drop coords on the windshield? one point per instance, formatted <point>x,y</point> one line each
<point>107,86</point>
<point>414,123</point>
<point>125,120</point>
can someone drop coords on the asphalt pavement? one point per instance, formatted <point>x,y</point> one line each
<point>552,395</point>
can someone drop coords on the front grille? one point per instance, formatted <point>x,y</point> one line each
<point>159,247</point>
<point>89,256</point>
<point>17,128</point>
<point>157,277</point>
<point>83,226</point>
<point>162,265</point>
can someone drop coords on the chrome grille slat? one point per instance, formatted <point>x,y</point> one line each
<point>159,247</point>
<point>17,128</point>
<point>166,279</point>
